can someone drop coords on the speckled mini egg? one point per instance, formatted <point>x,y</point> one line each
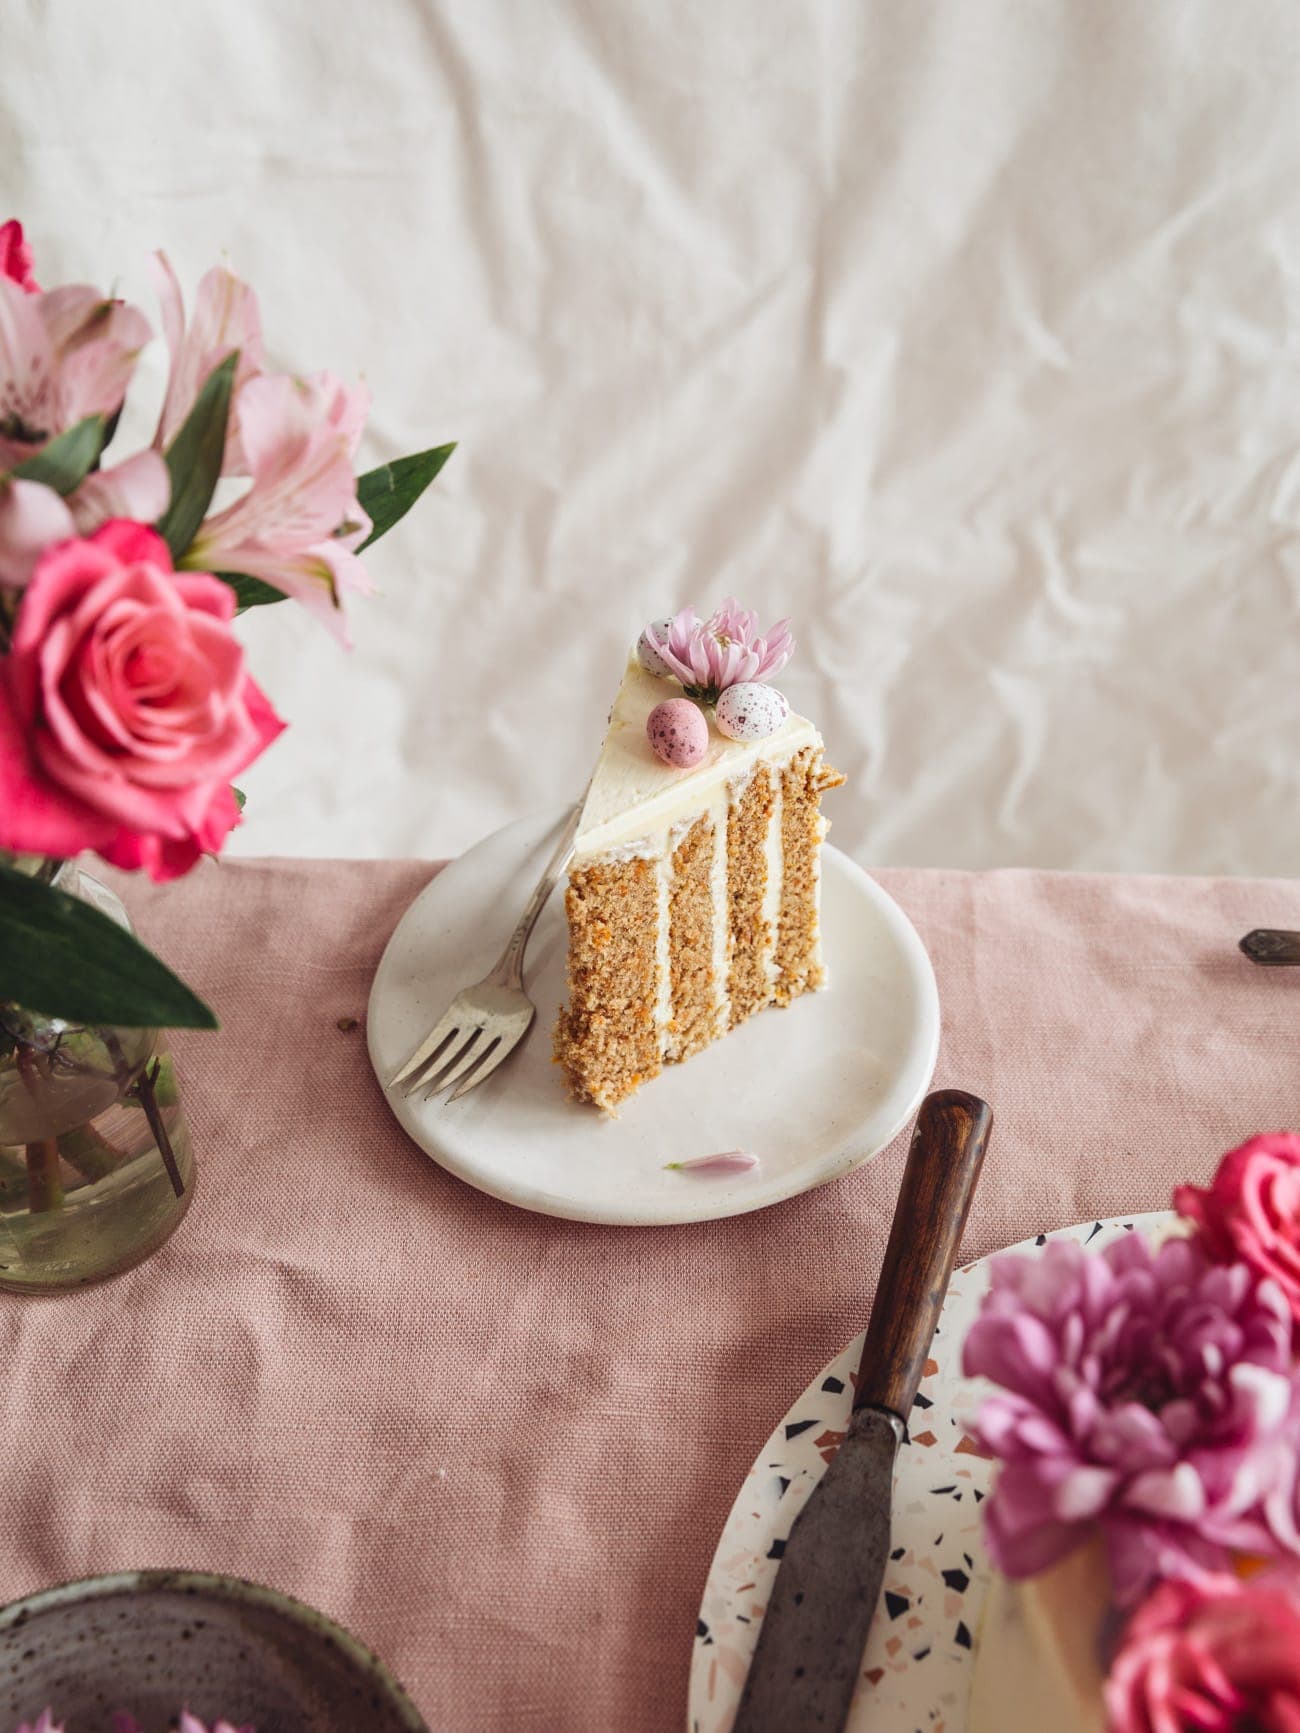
<point>648,656</point>
<point>678,733</point>
<point>749,710</point>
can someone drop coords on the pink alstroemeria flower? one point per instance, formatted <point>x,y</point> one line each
<point>34,517</point>
<point>44,1723</point>
<point>709,655</point>
<point>139,487</point>
<point>226,318</point>
<point>64,354</point>
<point>16,257</point>
<point>298,526</point>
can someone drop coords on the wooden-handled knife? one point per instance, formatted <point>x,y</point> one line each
<point>810,1643</point>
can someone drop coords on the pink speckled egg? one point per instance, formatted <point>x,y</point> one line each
<point>749,710</point>
<point>648,656</point>
<point>678,732</point>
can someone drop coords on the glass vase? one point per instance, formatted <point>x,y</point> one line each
<point>96,1168</point>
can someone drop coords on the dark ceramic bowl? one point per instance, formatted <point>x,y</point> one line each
<point>154,1642</point>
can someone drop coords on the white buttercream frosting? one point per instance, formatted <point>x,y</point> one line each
<point>635,800</point>
<point>718,810</point>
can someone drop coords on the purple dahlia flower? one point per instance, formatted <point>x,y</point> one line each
<point>1145,1390</point>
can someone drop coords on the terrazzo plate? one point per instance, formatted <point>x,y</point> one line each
<point>916,1668</point>
<point>813,1090</point>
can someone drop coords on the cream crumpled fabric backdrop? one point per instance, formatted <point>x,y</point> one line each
<point>967,335</point>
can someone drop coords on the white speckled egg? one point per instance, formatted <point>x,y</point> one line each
<point>648,656</point>
<point>678,732</point>
<point>749,710</point>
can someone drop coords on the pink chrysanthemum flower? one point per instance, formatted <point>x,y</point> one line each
<point>709,655</point>
<point>1146,1391</point>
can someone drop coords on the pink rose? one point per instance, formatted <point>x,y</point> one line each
<point>16,257</point>
<point>1218,1656</point>
<point>1251,1210</point>
<point>125,708</point>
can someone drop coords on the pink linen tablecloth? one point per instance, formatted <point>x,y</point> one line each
<point>499,1447</point>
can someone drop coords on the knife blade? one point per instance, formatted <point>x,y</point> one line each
<point>809,1650</point>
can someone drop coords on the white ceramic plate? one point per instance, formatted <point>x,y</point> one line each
<point>916,1668</point>
<point>812,1090</point>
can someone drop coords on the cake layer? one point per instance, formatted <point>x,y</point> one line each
<point>797,964</point>
<point>693,999</point>
<point>751,821</point>
<point>609,1033</point>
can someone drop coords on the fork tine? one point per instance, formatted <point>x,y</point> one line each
<point>489,1059</point>
<point>445,1026</point>
<point>451,1044</point>
<point>458,1062</point>
<point>448,1045</point>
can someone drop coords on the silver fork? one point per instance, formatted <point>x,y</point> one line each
<point>486,1022</point>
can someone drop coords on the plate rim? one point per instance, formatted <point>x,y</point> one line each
<point>724,1205</point>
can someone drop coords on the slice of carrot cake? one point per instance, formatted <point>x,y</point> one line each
<point>693,894</point>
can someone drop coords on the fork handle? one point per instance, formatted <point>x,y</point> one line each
<point>509,968</point>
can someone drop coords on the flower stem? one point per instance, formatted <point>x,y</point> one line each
<point>147,1097</point>
<point>44,1181</point>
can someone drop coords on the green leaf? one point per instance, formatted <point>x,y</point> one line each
<point>251,592</point>
<point>63,957</point>
<point>194,458</point>
<point>388,493</point>
<point>241,799</point>
<point>66,461</point>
